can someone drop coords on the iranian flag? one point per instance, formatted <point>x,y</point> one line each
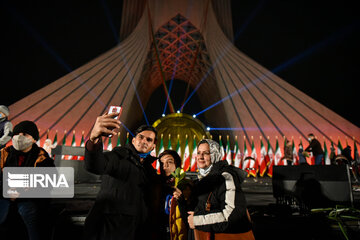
<point>127,138</point>
<point>118,144</point>
<point>223,155</point>
<point>271,160</point>
<point>282,162</point>
<point>228,152</point>
<point>178,147</point>
<point>109,145</point>
<point>237,154</point>
<point>254,163</point>
<point>193,165</point>
<point>246,163</point>
<point>82,144</point>
<point>339,147</point>
<point>64,157</point>
<point>38,141</point>
<point>326,155</point>
<point>278,153</point>
<point>73,144</point>
<point>262,161</point>
<point>156,164</point>
<point>55,139</point>
<point>186,162</point>
<point>169,143</point>
<point>295,154</point>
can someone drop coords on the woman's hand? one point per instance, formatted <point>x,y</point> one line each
<point>191,220</point>
<point>177,193</point>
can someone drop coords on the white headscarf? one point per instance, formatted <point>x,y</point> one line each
<point>215,155</point>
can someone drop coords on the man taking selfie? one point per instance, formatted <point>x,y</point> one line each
<point>128,197</point>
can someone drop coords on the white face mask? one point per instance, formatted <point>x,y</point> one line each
<point>20,142</point>
<point>309,139</point>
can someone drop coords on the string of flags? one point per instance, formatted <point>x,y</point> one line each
<point>256,162</point>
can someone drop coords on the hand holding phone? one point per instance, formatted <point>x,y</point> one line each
<point>117,110</point>
<point>106,125</point>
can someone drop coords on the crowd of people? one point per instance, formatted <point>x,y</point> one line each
<point>134,201</point>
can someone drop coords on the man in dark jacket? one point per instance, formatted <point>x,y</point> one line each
<point>24,152</point>
<point>128,198</point>
<point>315,148</point>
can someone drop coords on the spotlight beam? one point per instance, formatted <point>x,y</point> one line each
<point>294,60</point>
<point>211,68</point>
<point>110,21</point>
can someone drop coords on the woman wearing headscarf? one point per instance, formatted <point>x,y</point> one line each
<point>220,212</point>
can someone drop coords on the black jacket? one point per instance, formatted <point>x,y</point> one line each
<point>227,212</point>
<point>315,147</point>
<point>129,193</point>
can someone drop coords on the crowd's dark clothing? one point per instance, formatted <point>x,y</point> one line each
<point>347,153</point>
<point>317,151</point>
<point>168,183</point>
<point>33,211</point>
<point>128,201</point>
<point>302,159</point>
<point>315,147</point>
<point>227,213</point>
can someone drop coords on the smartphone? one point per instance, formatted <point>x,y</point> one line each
<point>115,109</point>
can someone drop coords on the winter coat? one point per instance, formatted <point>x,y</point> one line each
<point>127,204</point>
<point>227,212</point>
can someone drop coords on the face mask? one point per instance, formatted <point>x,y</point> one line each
<point>309,139</point>
<point>21,142</point>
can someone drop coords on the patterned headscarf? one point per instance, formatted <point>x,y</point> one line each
<point>215,155</point>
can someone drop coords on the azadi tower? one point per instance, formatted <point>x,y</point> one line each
<point>191,41</point>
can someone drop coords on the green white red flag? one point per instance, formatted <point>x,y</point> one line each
<point>82,144</point>
<point>228,152</point>
<point>278,154</point>
<point>73,144</point>
<point>262,160</point>
<point>270,159</point>
<point>254,165</point>
<point>326,155</point>
<point>169,143</point>
<point>109,145</point>
<point>246,154</point>
<point>178,147</point>
<point>237,154</point>
<point>186,160</point>
<point>339,147</point>
<point>223,155</point>
<point>295,154</point>
<point>118,143</point>
<point>156,164</point>
<point>193,165</point>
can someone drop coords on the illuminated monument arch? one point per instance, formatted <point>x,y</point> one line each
<point>191,41</point>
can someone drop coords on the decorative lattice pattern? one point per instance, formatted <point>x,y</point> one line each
<point>178,41</point>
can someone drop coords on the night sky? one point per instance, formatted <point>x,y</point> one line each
<point>313,45</point>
